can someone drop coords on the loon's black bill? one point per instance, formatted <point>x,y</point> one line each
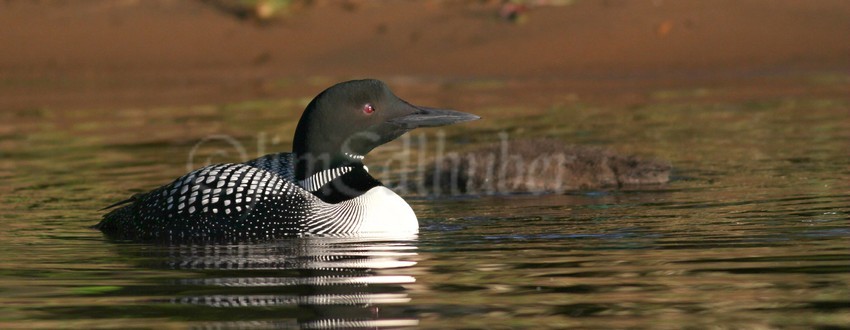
<point>431,117</point>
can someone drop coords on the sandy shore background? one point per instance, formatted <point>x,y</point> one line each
<point>77,54</point>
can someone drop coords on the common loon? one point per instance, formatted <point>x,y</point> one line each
<point>320,188</point>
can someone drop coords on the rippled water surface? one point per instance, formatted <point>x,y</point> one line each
<point>752,232</point>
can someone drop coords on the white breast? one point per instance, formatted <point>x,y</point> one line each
<point>386,213</point>
<point>379,212</point>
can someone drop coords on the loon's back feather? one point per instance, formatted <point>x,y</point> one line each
<point>281,164</point>
<point>215,203</point>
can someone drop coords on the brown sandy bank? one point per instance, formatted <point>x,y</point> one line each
<point>134,53</point>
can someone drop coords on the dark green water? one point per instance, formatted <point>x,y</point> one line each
<point>754,231</point>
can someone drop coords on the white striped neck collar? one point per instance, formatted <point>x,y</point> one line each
<point>354,156</point>
<point>316,181</point>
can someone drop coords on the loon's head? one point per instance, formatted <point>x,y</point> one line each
<point>346,121</point>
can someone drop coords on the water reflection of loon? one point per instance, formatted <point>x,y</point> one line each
<point>311,282</point>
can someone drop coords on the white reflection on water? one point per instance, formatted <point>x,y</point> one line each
<point>330,282</point>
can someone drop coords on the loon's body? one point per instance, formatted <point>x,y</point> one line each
<point>321,188</point>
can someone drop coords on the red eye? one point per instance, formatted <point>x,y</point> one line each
<point>368,109</point>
